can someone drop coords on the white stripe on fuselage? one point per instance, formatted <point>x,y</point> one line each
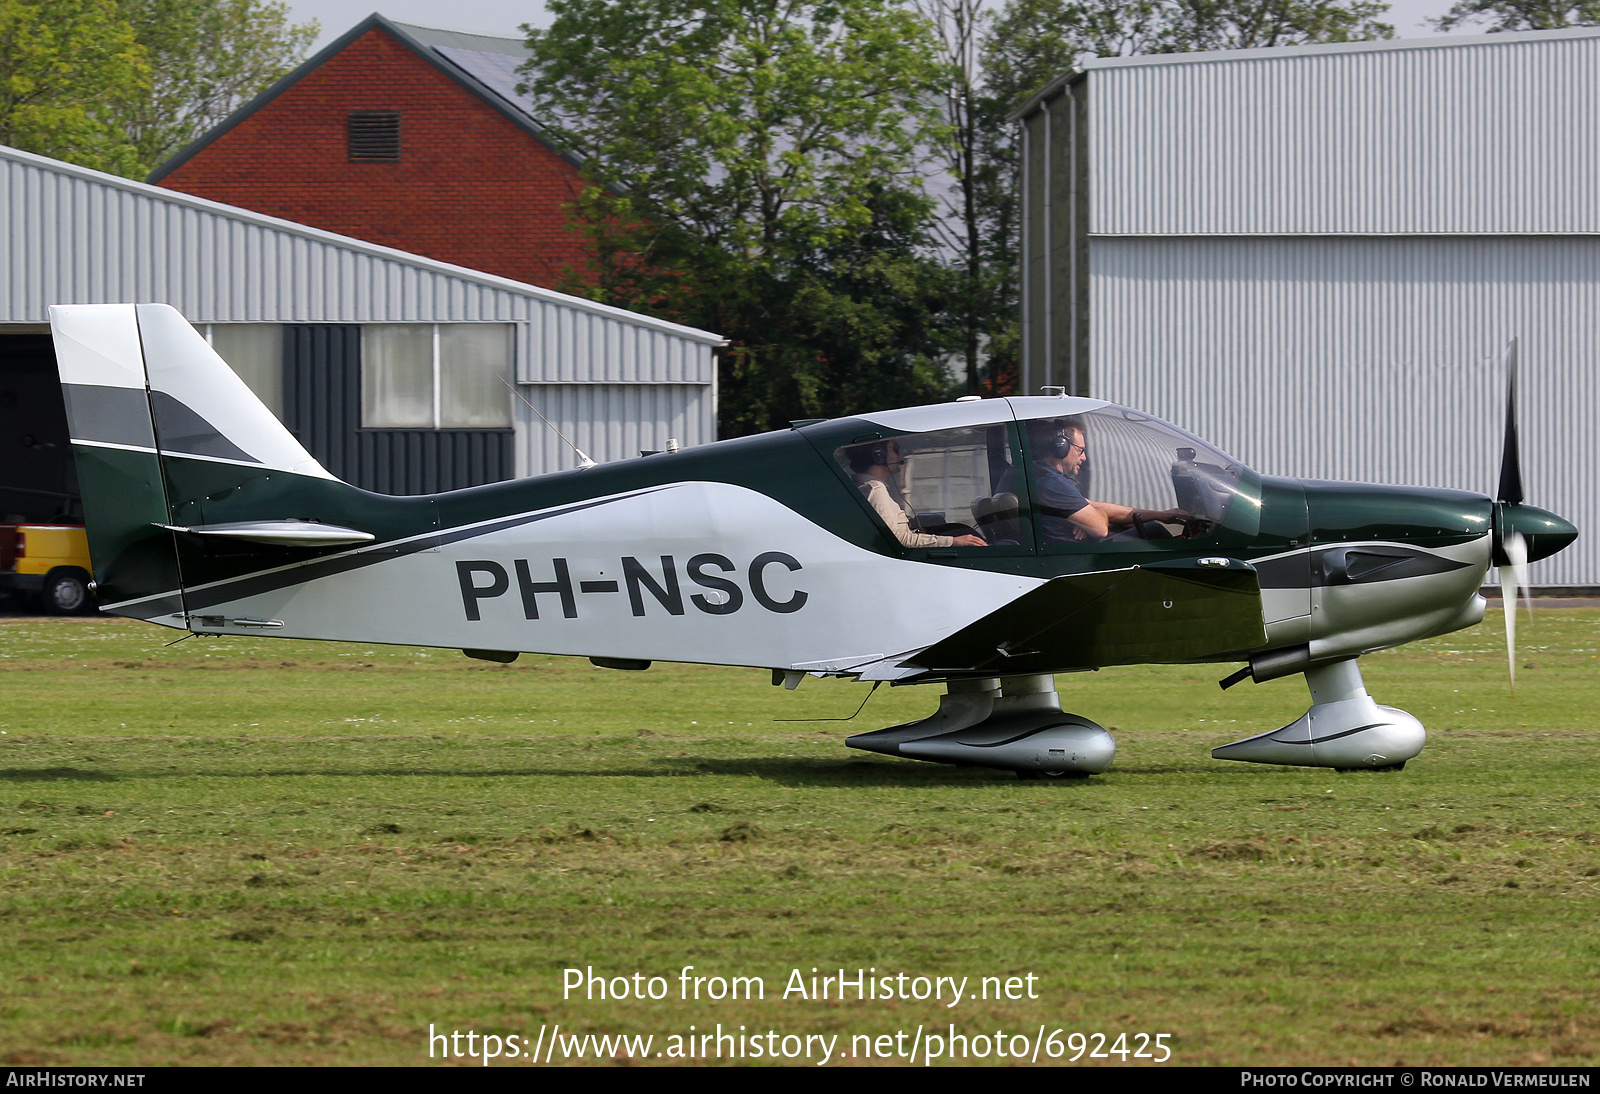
<point>841,600</point>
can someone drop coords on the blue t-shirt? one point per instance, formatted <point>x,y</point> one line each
<point>1059,497</point>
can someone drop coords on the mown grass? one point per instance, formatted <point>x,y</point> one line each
<point>248,851</point>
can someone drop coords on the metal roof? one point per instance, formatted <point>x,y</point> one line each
<point>1382,45</point>
<point>73,235</point>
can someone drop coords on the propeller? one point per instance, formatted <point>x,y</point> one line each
<point>1510,458</point>
<point>1514,583</point>
<point>1511,548</point>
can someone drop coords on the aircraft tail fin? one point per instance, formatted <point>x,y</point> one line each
<point>159,425</point>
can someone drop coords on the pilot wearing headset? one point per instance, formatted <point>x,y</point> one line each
<point>876,469</point>
<point>1065,515</point>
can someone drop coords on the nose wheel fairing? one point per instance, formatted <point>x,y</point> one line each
<point>1344,729</point>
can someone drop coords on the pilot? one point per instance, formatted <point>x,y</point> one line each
<point>876,470</point>
<point>1065,515</point>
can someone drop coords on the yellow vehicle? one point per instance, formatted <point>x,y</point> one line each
<point>50,562</point>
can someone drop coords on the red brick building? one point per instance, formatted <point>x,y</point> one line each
<point>405,136</point>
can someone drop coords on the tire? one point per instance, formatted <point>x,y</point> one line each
<point>1052,774</point>
<point>66,592</point>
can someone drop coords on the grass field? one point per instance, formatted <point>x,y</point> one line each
<point>246,851</point>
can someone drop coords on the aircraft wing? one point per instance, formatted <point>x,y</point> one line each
<point>1168,612</point>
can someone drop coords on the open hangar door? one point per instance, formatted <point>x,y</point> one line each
<point>38,481</point>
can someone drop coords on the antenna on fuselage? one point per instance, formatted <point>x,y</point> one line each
<point>584,462</point>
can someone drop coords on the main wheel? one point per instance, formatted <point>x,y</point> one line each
<point>66,592</point>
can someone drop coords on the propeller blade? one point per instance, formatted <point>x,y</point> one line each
<point>1513,583</point>
<point>1510,455</point>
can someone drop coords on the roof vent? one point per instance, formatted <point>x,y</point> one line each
<point>374,136</point>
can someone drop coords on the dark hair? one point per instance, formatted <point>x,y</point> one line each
<point>864,457</point>
<point>1053,438</point>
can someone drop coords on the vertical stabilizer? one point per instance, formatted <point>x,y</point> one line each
<point>166,436</point>
<point>202,409</point>
<point>103,384</point>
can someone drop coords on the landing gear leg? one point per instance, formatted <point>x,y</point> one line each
<point>1344,729</point>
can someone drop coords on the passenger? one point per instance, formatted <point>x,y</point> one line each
<point>876,469</point>
<point>1065,515</point>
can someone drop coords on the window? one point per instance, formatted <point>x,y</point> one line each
<point>436,376</point>
<point>374,136</point>
<point>255,353</point>
<point>952,488</point>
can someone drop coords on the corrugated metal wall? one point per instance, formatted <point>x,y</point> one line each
<point>1055,223</point>
<point>568,346</point>
<point>621,418</point>
<point>73,236</point>
<point>1373,360</point>
<point>322,407</point>
<point>1493,135</point>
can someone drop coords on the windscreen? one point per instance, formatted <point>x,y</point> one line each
<point>1147,479</point>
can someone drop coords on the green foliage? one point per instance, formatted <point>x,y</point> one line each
<point>859,324</point>
<point>755,166</point>
<point>977,207</point>
<point>120,85</point>
<point>1498,15</point>
<point>1032,42</point>
<point>1254,24</point>
<point>67,70</point>
<point>207,58</point>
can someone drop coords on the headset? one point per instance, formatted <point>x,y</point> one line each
<point>863,457</point>
<point>1058,442</point>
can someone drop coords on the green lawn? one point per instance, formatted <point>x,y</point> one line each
<point>248,851</point>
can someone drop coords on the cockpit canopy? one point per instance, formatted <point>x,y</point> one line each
<point>1062,475</point>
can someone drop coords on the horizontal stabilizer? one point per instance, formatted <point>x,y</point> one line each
<point>282,533</point>
<point>1170,612</point>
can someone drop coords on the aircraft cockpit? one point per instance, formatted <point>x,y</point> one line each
<point>1051,475</point>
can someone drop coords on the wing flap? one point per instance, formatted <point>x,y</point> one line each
<point>1165,613</point>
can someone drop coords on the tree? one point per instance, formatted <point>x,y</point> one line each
<point>863,323</point>
<point>1521,14</point>
<point>67,67</point>
<point>761,157</point>
<point>208,58</point>
<point>1256,24</point>
<point>1034,41</point>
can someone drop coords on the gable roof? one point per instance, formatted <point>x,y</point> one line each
<point>483,64</point>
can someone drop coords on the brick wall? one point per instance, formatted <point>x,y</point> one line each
<point>471,187</point>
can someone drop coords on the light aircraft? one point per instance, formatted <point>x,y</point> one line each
<point>982,544</point>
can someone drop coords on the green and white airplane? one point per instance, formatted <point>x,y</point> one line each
<point>985,545</point>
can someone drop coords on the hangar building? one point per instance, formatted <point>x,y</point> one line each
<point>402,374</point>
<point>1316,256</point>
